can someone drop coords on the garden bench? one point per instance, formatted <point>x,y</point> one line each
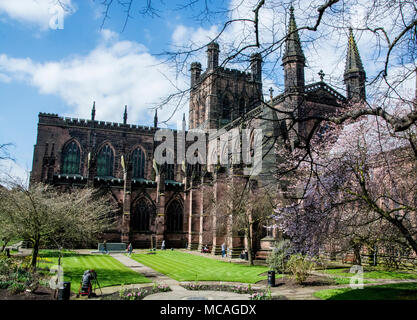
<point>15,246</point>
<point>112,247</point>
<point>348,257</point>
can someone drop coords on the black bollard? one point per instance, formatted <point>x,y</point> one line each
<point>65,292</point>
<point>271,278</point>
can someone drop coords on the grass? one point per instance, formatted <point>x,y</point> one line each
<point>339,280</point>
<point>183,266</point>
<point>373,274</point>
<point>399,291</point>
<point>110,272</point>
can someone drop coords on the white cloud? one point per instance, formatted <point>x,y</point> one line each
<point>12,172</point>
<point>116,73</point>
<point>36,12</point>
<point>4,78</point>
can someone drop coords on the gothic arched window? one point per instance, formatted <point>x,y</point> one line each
<point>242,107</point>
<point>138,164</point>
<point>71,159</point>
<point>226,111</point>
<point>174,216</point>
<point>143,211</point>
<point>170,173</point>
<point>105,160</point>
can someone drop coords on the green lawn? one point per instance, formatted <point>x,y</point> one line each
<point>339,280</point>
<point>373,274</point>
<point>110,272</point>
<point>183,266</point>
<point>400,291</point>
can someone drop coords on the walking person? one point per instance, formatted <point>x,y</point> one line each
<point>129,249</point>
<point>163,245</point>
<point>223,250</point>
<point>105,247</point>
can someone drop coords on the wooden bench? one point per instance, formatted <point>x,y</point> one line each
<point>112,247</point>
<point>348,257</point>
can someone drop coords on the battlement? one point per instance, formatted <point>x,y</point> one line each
<point>224,72</point>
<point>235,72</point>
<point>54,119</point>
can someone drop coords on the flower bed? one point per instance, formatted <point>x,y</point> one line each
<point>254,294</point>
<point>139,294</point>
<point>16,278</point>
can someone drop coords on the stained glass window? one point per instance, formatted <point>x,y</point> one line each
<point>242,107</point>
<point>226,111</point>
<point>105,160</point>
<point>174,216</point>
<point>138,163</point>
<point>71,159</point>
<point>143,209</point>
<point>170,174</point>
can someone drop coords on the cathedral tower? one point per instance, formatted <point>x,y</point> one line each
<point>220,95</point>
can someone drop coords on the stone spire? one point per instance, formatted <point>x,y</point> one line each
<point>155,119</point>
<point>293,43</point>
<point>93,111</point>
<point>293,59</point>
<point>353,59</point>
<point>125,116</point>
<point>354,76</point>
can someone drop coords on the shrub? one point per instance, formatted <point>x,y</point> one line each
<point>16,287</point>
<point>278,258</point>
<point>5,284</point>
<point>6,265</point>
<point>300,267</point>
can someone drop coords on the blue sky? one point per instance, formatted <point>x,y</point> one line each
<point>48,70</point>
<point>64,70</point>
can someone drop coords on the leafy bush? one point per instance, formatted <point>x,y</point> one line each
<point>15,278</point>
<point>5,284</point>
<point>278,258</point>
<point>16,287</point>
<point>320,262</point>
<point>6,265</point>
<point>300,266</point>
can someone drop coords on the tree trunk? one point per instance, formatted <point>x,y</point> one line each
<point>357,255</point>
<point>249,240</point>
<point>5,241</point>
<point>406,233</point>
<point>35,252</point>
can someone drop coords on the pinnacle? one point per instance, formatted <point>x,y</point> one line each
<point>292,43</point>
<point>353,59</point>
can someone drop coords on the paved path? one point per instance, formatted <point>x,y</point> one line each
<point>177,293</point>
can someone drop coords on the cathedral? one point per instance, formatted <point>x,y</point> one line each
<point>166,202</point>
